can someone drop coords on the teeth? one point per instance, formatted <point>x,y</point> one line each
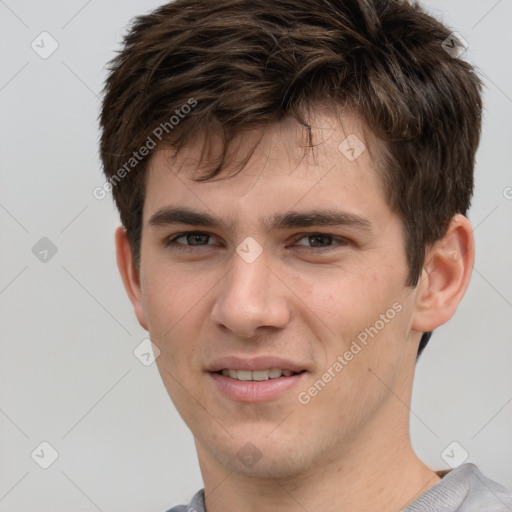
<point>272,373</point>
<point>244,375</point>
<point>260,375</point>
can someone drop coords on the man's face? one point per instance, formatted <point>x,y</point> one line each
<point>301,291</point>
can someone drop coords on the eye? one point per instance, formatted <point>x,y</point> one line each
<point>321,240</point>
<point>191,238</point>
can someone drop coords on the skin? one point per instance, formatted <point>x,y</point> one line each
<point>304,299</point>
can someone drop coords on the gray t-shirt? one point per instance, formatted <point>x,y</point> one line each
<point>464,489</point>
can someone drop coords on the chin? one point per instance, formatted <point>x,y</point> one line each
<point>261,458</point>
<point>265,468</point>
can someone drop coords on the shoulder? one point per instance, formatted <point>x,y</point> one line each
<point>464,489</point>
<point>484,491</point>
<point>196,504</point>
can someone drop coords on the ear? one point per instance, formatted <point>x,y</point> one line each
<point>445,278</point>
<point>129,274</point>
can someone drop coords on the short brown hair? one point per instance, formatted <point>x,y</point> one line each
<point>251,62</point>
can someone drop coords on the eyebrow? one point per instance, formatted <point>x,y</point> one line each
<point>181,215</point>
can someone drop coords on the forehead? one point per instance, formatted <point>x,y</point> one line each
<point>272,167</point>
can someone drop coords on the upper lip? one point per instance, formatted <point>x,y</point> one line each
<point>254,364</point>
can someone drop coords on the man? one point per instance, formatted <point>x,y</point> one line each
<point>293,178</point>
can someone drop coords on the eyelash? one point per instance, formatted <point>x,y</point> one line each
<point>171,241</point>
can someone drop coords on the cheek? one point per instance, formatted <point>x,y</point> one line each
<point>168,294</point>
<point>369,354</point>
<point>365,315</point>
<point>347,301</point>
<point>167,303</point>
<point>177,305</point>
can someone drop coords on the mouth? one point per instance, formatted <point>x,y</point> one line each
<point>256,386</point>
<point>258,375</point>
<point>257,379</point>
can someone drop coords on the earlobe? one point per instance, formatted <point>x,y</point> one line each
<point>446,276</point>
<point>129,274</point>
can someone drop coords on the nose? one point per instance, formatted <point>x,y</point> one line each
<point>251,297</point>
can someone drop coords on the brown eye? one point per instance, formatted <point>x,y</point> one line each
<point>320,240</point>
<point>197,238</point>
<point>191,238</point>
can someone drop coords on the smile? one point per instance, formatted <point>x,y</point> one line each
<point>256,386</point>
<point>259,375</point>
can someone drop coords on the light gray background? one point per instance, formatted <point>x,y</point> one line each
<point>68,375</point>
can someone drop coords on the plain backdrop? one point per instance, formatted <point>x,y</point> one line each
<point>68,375</point>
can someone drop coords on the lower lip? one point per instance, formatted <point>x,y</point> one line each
<point>255,390</point>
